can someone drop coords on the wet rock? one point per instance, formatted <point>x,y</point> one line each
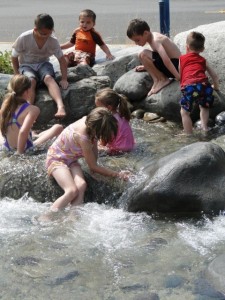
<point>134,287</point>
<point>26,261</point>
<point>138,113</point>
<point>151,296</point>
<point>220,119</point>
<point>216,272</point>
<point>155,244</point>
<point>205,289</point>
<point>180,183</point>
<point>173,281</point>
<point>67,277</point>
<point>150,116</point>
<point>26,174</point>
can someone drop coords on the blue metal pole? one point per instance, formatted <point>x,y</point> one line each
<point>164,11</point>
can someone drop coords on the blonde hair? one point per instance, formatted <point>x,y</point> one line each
<point>17,86</point>
<point>108,97</point>
<point>101,125</point>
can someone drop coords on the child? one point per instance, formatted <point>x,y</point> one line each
<point>85,39</point>
<point>162,62</point>
<point>30,56</point>
<point>194,82</point>
<point>17,117</point>
<point>80,140</point>
<point>117,104</point>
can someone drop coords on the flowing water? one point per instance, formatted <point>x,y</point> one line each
<point>107,253</point>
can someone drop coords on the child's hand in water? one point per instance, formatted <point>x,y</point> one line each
<point>125,175</point>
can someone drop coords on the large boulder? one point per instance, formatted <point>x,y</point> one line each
<point>79,99</point>
<point>26,174</point>
<point>134,85</point>
<point>125,60</point>
<point>183,182</point>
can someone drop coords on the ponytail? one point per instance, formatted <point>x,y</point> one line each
<point>110,98</point>
<point>123,108</point>
<point>17,86</point>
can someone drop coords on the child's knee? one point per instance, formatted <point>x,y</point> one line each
<point>184,112</point>
<point>72,192</point>
<point>144,54</point>
<point>83,186</point>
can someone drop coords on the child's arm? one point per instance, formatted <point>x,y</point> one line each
<point>214,76</point>
<point>15,64</point>
<point>26,127</point>
<point>66,45</point>
<point>109,55</point>
<point>167,62</point>
<point>63,67</point>
<point>91,160</point>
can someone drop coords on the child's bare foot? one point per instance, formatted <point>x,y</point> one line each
<point>61,113</point>
<point>159,86</point>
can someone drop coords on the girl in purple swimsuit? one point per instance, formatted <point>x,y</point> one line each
<point>17,117</point>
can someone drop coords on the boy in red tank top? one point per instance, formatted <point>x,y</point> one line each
<point>194,82</point>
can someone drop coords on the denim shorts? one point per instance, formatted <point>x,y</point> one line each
<point>200,93</point>
<point>37,71</point>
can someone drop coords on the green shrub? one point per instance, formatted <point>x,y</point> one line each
<point>5,62</point>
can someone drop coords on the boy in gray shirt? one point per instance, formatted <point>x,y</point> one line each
<point>30,56</point>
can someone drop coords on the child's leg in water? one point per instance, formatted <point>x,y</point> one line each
<point>74,186</point>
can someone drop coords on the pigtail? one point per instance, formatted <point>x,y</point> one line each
<point>9,106</point>
<point>123,108</point>
<point>17,86</point>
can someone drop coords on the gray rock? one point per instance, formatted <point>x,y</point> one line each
<point>220,118</point>
<point>79,99</point>
<point>26,174</point>
<point>216,272</point>
<point>204,288</point>
<point>134,85</point>
<point>116,68</point>
<point>183,182</point>
<point>173,281</point>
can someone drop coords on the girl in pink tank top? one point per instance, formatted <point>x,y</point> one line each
<point>117,104</point>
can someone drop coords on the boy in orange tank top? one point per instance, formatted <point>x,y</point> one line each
<point>85,39</point>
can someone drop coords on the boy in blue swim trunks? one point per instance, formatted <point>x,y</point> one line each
<point>194,82</point>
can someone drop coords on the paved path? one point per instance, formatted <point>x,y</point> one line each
<point>112,16</point>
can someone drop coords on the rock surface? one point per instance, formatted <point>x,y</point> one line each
<point>183,182</point>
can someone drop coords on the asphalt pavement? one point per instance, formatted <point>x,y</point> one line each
<point>112,16</point>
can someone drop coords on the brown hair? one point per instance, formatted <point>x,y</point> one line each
<point>101,124</point>
<point>88,13</point>
<point>195,41</point>
<point>108,97</point>
<point>44,21</point>
<point>137,27</point>
<point>17,86</point>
